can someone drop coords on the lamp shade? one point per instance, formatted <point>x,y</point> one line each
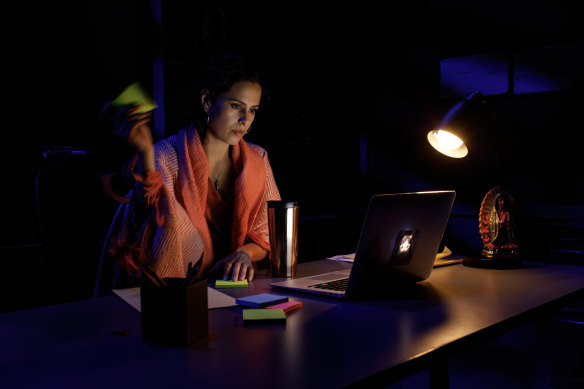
<point>452,136</point>
<point>448,142</point>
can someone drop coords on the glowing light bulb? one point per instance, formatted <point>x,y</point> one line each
<point>447,140</point>
<point>447,143</point>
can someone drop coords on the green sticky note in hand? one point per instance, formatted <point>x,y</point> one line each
<point>134,95</point>
<point>231,284</point>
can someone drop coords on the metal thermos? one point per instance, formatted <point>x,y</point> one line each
<point>283,223</point>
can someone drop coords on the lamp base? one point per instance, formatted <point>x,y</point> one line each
<point>493,263</point>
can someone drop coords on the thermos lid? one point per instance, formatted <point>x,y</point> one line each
<point>282,204</point>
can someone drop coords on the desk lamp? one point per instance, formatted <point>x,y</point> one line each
<point>452,135</point>
<point>454,138</point>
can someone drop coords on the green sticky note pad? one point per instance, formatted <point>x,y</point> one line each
<point>134,95</point>
<point>231,284</point>
<point>264,315</point>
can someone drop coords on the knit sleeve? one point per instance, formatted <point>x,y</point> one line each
<point>152,184</point>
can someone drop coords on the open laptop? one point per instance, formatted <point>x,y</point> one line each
<point>399,240</point>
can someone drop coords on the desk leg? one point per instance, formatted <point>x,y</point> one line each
<point>439,375</point>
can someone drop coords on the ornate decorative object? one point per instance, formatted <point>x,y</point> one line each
<point>498,230</point>
<point>497,225</point>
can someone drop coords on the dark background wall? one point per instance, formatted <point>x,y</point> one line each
<point>352,92</point>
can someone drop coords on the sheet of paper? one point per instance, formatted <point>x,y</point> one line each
<point>219,300</point>
<point>130,295</point>
<point>351,257</point>
<point>215,298</point>
<point>343,258</point>
<point>446,252</point>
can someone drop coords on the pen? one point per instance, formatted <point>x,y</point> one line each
<point>192,272</point>
<point>148,279</point>
<point>151,274</point>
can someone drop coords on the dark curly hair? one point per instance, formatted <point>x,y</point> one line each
<point>222,72</point>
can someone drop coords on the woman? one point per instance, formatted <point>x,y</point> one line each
<point>200,196</point>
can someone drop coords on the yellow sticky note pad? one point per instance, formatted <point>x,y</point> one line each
<point>264,315</point>
<point>133,95</point>
<point>231,284</point>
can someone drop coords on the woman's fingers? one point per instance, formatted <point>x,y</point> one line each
<point>235,271</point>
<point>238,265</point>
<point>227,270</point>
<point>250,273</point>
<point>125,121</point>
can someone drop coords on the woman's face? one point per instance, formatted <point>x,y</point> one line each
<point>232,112</point>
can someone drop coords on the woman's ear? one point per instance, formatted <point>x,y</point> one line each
<point>205,100</point>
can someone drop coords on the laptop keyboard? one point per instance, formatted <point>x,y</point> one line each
<point>339,285</point>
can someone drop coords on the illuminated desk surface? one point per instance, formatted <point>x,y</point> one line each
<point>326,343</point>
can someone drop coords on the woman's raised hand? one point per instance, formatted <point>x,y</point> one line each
<point>133,128</point>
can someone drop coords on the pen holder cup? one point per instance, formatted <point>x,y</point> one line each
<point>174,314</point>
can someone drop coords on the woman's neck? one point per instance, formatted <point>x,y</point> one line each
<point>217,152</point>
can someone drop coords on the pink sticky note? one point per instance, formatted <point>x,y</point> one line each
<point>287,306</point>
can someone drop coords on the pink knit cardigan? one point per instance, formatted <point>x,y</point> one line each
<point>177,232</point>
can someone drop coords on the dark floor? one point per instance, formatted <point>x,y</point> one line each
<point>522,358</point>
